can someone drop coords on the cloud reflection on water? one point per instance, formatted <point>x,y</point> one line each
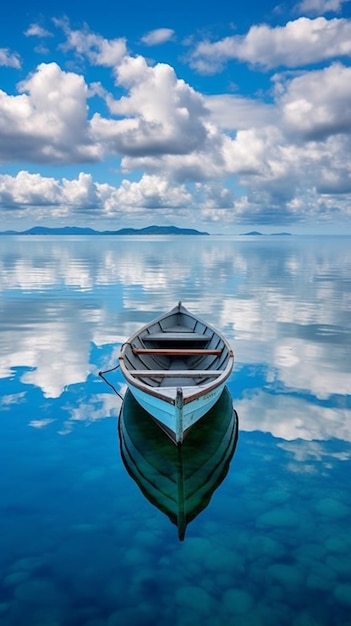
<point>284,303</point>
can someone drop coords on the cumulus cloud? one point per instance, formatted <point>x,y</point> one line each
<point>98,49</point>
<point>157,36</point>
<point>318,7</point>
<point>240,159</point>
<point>282,153</point>
<point>292,418</point>
<point>283,178</point>
<point>9,59</point>
<point>28,190</point>
<point>150,192</point>
<point>160,115</point>
<point>298,43</point>
<point>204,163</point>
<point>48,121</point>
<point>48,197</point>
<point>317,104</point>
<point>43,350</point>
<point>234,112</point>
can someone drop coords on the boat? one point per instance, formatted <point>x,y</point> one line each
<point>179,480</point>
<point>176,367</point>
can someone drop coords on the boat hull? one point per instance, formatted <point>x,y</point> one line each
<point>177,420</point>
<point>179,481</point>
<point>176,367</point>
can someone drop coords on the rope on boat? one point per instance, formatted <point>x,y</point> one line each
<point>102,375</point>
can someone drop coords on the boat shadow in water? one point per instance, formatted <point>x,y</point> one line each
<point>178,480</point>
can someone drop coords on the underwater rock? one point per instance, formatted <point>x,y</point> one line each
<point>39,592</point>
<point>342,593</point>
<point>337,544</point>
<point>16,578</point>
<point>237,601</point>
<point>305,619</point>
<point>223,562</point>
<point>194,597</point>
<point>277,496</point>
<point>130,616</point>
<point>282,517</point>
<point>320,577</point>
<point>28,564</point>
<point>263,545</point>
<point>340,564</point>
<point>332,508</point>
<point>289,576</point>
<point>196,547</point>
<point>4,607</point>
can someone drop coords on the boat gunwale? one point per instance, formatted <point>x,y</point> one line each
<point>201,390</point>
<point>191,392</point>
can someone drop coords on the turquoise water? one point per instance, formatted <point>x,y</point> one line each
<point>80,544</point>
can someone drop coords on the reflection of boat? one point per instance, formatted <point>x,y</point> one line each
<point>178,480</point>
<point>176,367</point>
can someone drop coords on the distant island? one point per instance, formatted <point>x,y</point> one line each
<point>148,230</point>
<point>76,230</point>
<point>256,232</point>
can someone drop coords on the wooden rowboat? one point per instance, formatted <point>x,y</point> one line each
<point>180,481</point>
<point>176,367</point>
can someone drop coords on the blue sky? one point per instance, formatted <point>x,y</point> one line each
<point>200,115</point>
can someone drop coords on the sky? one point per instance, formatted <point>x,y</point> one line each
<point>218,116</point>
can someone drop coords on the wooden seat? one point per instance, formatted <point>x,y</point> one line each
<point>176,373</point>
<point>177,351</point>
<point>175,336</point>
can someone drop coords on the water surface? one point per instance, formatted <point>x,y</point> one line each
<point>79,542</point>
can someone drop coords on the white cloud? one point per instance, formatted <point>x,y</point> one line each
<point>48,121</point>
<point>48,197</point>
<point>28,189</point>
<point>318,7</point>
<point>9,59</point>
<point>238,158</point>
<point>157,36</point>
<point>292,418</point>
<point>99,51</point>
<point>296,360</point>
<point>317,104</point>
<point>99,406</point>
<point>233,112</point>
<point>35,30</point>
<point>205,163</point>
<point>298,43</point>
<point>284,154</point>
<point>160,115</point>
<point>44,197</point>
<point>44,350</point>
<point>150,192</point>
<point>300,337</point>
<point>6,401</point>
<point>81,193</point>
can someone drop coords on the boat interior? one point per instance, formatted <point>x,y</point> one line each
<point>176,350</point>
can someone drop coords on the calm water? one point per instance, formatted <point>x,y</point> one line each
<point>79,542</point>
